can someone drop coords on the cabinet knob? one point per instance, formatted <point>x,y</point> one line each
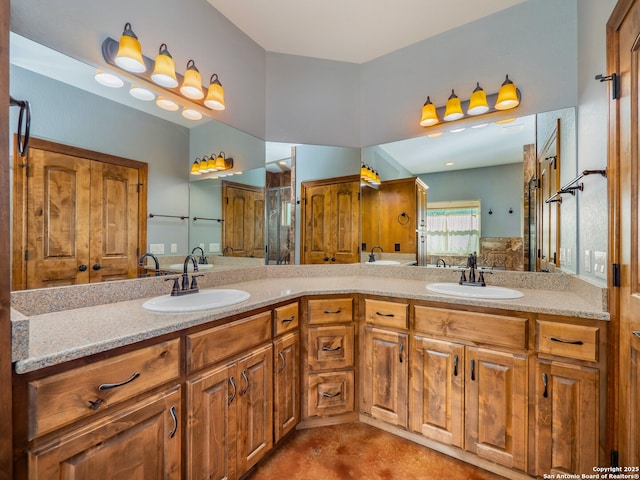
<point>96,266</point>
<point>82,268</point>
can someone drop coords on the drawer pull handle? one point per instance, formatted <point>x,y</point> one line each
<point>401,351</point>
<point>174,415</point>
<point>385,314</point>
<point>288,320</point>
<point>327,348</point>
<point>284,361</point>
<point>455,365</point>
<point>246,379</point>
<point>570,342</point>
<point>108,386</point>
<point>331,395</point>
<point>545,394</point>
<point>232,381</point>
<point>95,404</point>
<point>637,334</point>
<point>333,312</point>
<point>473,369</point>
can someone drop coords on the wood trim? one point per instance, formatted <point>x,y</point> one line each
<point>328,181</point>
<point>6,439</point>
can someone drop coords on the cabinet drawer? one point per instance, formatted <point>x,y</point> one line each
<point>218,343</point>
<point>331,347</point>
<point>482,328</point>
<point>69,396</point>
<point>386,314</point>
<point>566,340</point>
<point>331,310</point>
<point>285,318</point>
<point>331,393</point>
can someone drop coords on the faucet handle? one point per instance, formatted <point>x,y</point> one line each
<point>176,285</point>
<point>463,277</point>
<point>194,283</point>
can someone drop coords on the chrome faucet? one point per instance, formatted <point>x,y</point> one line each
<point>202,260</point>
<point>155,259</point>
<point>372,257</point>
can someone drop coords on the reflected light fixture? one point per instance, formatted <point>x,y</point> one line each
<point>211,164</point>
<point>215,94</point>
<point>429,114</point>
<point>192,83</point>
<point>507,96</point>
<point>478,101</point>
<point>195,167</point>
<point>164,71</point>
<point>435,134</point>
<point>220,163</point>
<point>453,109</point>
<point>129,56</point>
<point>141,93</point>
<point>108,79</point>
<point>191,114</point>
<point>167,104</point>
<point>204,166</point>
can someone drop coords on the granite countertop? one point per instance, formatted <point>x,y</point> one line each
<point>59,336</point>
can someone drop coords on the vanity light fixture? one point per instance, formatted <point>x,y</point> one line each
<point>164,70</point>
<point>167,104</point>
<point>210,164</point>
<point>480,103</point>
<point>368,176</point>
<point>220,163</point>
<point>141,93</point>
<point>129,56</point>
<point>204,166</point>
<point>195,167</point>
<point>108,79</point>
<point>192,84</point>
<point>215,94</point>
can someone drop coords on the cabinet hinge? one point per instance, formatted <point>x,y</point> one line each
<point>615,83</point>
<point>26,255</point>
<point>615,274</point>
<point>615,458</point>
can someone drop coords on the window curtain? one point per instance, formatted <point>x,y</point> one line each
<point>453,231</point>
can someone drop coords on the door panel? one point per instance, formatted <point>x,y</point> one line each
<point>243,214</point>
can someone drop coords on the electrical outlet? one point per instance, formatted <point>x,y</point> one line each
<point>201,246</point>
<point>156,248</point>
<point>587,261</point>
<point>214,247</point>
<point>174,248</point>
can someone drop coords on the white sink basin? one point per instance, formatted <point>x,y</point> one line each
<point>384,262</point>
<point>193,302</point>
<point>471,291</point>
<point>179,267</point>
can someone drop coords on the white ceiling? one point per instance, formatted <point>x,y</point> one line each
<point>353,31</point>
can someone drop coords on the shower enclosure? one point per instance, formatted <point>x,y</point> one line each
<point>278,223</point>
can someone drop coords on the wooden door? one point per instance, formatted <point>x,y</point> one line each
<point>138,442</point>
<point>496,406</point>
<point>386,375</point>
<point>79,216</point>
<point>548,212</point>
<point>286,360</point>
<point>243,214</point>
<point>566,419</point>
<point>255,407</point>
<point>58,212</point>
<point>211,425</point>
<point>437,390</point>
<point>331,221</point>
<point>623,47</point>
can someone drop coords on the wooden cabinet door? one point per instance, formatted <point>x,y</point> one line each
<point>255,407</point>
<point>496,406</point>
<point>317,224</point>
<point>437,390</point>
<point>286,384</point>
<point>386,375</point>
<point>211,425</point>
<point>567,418</point>
<point>346,243</point>
<point>139,442</point>
<point>58,213</point>
<point>114,222</point>
<point>243,213</point>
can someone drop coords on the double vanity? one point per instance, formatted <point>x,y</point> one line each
<point>126,378</point>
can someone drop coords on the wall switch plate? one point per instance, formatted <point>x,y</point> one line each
<point>587,260</point>
<point>174,248</point>
<point>214,247</point>
<point>156,248</point>
<point>201,246</point>
<point>600,264</point>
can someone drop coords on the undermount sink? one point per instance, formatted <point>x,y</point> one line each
<point>384,262</point>
<point>179,267</point>
<point>472,291</point>
<point>193,302</point>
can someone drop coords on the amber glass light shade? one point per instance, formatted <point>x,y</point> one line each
<point>220,164</point>
<point>192,83</point>
<point>507,96</point>
<point>211,164</point>
<point>129,56</point>
<point>478,101</point>
<point>164,71</point>
<point>429,114</point>
<point>195,168</point>
<point>204,167</point>
<point>453,109</point>
<point>215,94</point>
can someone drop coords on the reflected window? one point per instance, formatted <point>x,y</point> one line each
<point>453,228</point>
